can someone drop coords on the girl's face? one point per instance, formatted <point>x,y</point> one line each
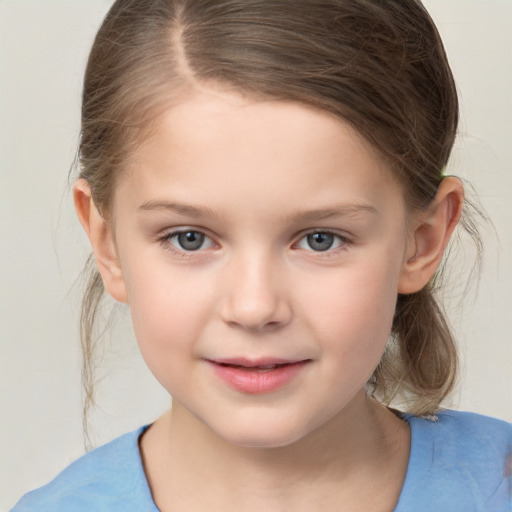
<point>261,246</point>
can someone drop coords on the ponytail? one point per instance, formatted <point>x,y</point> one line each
<point>89,337</point>
<point>420,365</point>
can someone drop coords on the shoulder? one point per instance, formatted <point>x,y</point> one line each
<point>465,430</point>
<point>108,478</point>
<point>462,459</point>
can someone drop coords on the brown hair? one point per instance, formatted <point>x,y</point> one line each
<point>378,64</point>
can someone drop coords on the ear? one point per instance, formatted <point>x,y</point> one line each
<point>102,241</point>
<point>430,235</point>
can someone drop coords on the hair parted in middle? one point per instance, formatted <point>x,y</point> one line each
<point>378,64</point>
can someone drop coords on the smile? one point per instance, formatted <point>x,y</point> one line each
<point>257,377</point>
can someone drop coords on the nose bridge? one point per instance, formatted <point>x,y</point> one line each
<point>254,295</point>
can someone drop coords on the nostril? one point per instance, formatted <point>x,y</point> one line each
<point>254,302</point>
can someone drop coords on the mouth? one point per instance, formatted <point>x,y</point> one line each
<point>267,363</point>
<point>258,376</point>
<point>257,368</point>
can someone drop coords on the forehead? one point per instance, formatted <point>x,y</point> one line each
<point>227,150</point>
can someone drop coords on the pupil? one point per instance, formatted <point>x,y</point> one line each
<point>191,240</point>
<point>320,241</point>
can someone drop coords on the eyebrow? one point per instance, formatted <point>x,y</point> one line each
<point>346,210</point>
<point>181,209</point>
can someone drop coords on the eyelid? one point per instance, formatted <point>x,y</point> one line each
<point>168,235</point>
<point>344,240</point>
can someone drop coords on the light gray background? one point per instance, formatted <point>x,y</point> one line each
<point>43,48</point>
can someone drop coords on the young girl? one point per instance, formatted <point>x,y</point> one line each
<point>262,183</point>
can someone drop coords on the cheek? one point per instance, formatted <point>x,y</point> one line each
<point>169,308</point>
<point>354,313</point>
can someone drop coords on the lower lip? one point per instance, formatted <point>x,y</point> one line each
<point>258,381</point>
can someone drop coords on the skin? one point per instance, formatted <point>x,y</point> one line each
<point>260,176</point>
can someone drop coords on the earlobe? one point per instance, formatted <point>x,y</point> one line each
<point>430,236</point>
<point>101,239</point>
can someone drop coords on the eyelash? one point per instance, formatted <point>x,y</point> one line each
<point>166,241</point>
<point>344,242</point>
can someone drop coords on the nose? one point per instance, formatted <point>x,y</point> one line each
<point>255,296</point>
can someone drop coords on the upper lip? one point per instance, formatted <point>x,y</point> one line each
<point>253,363</point>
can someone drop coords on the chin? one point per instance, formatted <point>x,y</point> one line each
<point>258,435</point>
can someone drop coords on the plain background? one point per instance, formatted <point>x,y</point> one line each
<point>43,49</point>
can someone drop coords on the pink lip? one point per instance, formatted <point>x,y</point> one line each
<point>251,376</point>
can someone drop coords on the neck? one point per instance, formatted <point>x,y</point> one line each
<point>350,450</point>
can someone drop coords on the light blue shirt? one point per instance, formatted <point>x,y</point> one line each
<point>457,464</point>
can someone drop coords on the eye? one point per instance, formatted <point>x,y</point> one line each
<point>321,241</point>
<point>189,240</point>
